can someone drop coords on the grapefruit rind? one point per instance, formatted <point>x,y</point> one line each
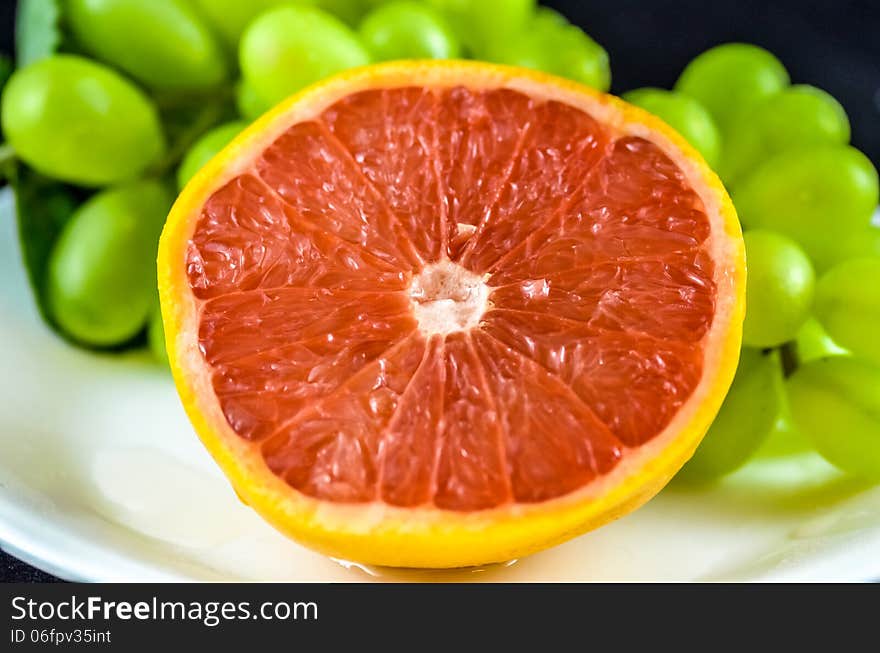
<point>381,534</point>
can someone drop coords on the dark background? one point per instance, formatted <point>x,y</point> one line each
<point>832,44</point>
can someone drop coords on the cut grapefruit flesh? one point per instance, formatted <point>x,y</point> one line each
<point>451,313</point>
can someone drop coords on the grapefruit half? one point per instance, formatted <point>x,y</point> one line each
<point>445,314</point>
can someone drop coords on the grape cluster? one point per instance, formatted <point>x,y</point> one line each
<point>810,364</point>
<point>131,98</point>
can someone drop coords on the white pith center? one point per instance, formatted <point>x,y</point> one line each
<point>447,298</point>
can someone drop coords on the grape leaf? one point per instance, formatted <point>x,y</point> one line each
<point>6,67</point>
<point>7,154</point>
<point>42,206</point>
<point>188,117</point>
<point>37,30</point>
<point>8,163</point>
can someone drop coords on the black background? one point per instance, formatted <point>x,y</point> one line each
<point>832,44</point>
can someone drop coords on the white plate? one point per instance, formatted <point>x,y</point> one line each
<point>102,478</point>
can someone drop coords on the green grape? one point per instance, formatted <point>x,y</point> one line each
<point>350,11</point>
<point>229,18</point>
<point>836,405</point>
<point>798,117</point>
<point>729,79</point>
<point>205,149</point>
<point>812,342</point>
<point>545,16</point>
<point>746,418</point>
<point>779,289</point>
<point>156,335</point>
<point>80,122</point>
<point>814,196</point>
<point>562,50</point>
<point>580,58</point>
<point>408,30</point>
<point>101,277</point>
<point>785,439</point>
<point>684,114</point>
<point>286,49</point>
<point>162,43</point>
<point>858,243</point>
<point>482,25</point>
<point>848,306</point>
<point>249,104</point>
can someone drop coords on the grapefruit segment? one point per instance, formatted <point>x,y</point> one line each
<point>471,472</point>
<point>263,375</point>
<point>635,383</point>
<point>330,450</point>
<point>411,444</point>
<point>636,204</point>
<point>446,314</point>
<point>271,247</point>
<point>558,147</point>
<point>476,154</point>
<point>319,179</point>
<point>669,299</point>
<point>392,138</point>
<point>554,443</point>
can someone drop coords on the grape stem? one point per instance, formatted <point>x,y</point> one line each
<point>207,118</point>
<point>788,356</point>
<point>172,100</point>
<point>7,156</point>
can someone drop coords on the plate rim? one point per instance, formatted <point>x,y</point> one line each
<point>35,540</point>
